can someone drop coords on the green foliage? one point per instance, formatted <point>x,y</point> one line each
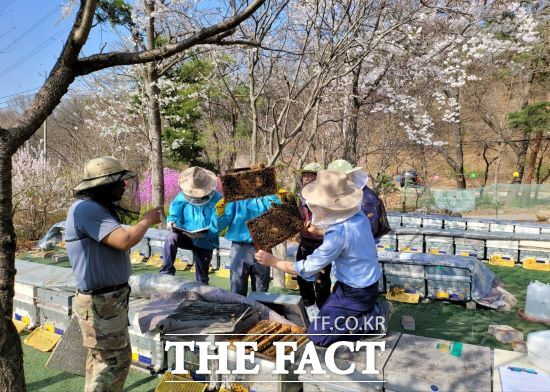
<point>384,184</point>
<point>244,127</point>
<point>533,118</point>
<point>183,142</point>
<point>116,12</point>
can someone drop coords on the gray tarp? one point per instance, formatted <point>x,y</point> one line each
<point>41,275</point>
<point>53,236</point>
<point>482,276</point>
<point>167,293</point>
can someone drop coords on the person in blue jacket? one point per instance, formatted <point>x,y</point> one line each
<point>192,209</point>
<point>233,216</point>
<point>352,309</point>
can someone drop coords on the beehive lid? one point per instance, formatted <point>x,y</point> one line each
<point>42,339</point>
<point>416,364</point>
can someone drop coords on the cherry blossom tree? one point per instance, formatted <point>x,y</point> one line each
<point>213,28</point>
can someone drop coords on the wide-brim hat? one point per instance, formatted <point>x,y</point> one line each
<point>333,196</point>
<point>103,171</point>
<point>313,167</point>
<point>343,166</point>
<point>197,182</point>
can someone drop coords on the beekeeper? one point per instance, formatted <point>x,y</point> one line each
<point>370,203</point>
<point>194,208</point>
<point>349,311</point>
<point>313,293</point>
<point>97,245</point>
<point>233,217</point>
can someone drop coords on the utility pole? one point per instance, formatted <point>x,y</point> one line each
<point>45,138</point>
<point>45,129</point>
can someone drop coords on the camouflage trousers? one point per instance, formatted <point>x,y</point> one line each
<point>103,320</point>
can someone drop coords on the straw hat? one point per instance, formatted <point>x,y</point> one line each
<point>343,166</point>
<point>197,182</point>
<point>313,167</point>
<point>332,198</point>
<point>102,171</point>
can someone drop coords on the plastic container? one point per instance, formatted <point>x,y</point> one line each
<point>537,302</point>
<point>405,270</point>
<point>407,285</point>
<point>538,349</point>
<point>448,289</point>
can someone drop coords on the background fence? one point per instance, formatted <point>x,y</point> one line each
<point>516,201</point>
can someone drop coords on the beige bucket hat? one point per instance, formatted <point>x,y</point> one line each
<point>102,171</point>
<point>332,198</point>
<point>197,182</point>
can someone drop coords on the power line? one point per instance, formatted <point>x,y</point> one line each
<point>7,32</point>
<point>19,93</point>
<point>33,52</point>
<point>26,32</point>
<point>5,6</point>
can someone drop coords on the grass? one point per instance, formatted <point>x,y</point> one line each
<point>442,320</point>
<point>436,319</point>
<point>41,379</point>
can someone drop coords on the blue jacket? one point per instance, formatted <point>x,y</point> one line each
<point>192,217</point>
<point>350,247</point>
<point>240,211</point>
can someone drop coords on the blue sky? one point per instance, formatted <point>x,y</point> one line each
<point>32,33</point>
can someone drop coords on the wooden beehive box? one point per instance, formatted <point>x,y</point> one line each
<point>278,224</point>
<point>239,184</point>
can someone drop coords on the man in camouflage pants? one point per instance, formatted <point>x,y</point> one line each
<point>97,245</point>
<point>103,320</point>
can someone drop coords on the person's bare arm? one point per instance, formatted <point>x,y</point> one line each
<point>267,259</point>
<point>124,238</point>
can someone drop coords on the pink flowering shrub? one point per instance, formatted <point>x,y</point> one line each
<point>171,187</point>
<point>41,194</point>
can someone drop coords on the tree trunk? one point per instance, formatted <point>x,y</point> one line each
<point>524,146</point>
<point>459,155</point>
<point>154,120</point>
<point>456,162</point>
<point>531,167</point>
<point>311,137</point>
<point>12,377</point>
<point>253,108</point>
<point>351,117</point>
<point>520,168</point>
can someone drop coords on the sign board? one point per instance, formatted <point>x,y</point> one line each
<point>455,200</point>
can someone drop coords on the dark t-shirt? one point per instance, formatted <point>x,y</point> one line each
<point>95,265</point>
<point>371,208</point>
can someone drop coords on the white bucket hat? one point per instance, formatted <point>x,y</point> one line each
<point>332,198</point>
<point>355,174</point>
<point>197,182</point>
<point>102,171</point>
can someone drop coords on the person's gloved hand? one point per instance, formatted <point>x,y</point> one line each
<point>220,207</point>
<point>170,225</point>
<point>286,196</point>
